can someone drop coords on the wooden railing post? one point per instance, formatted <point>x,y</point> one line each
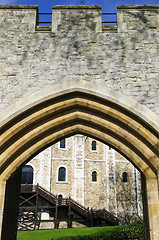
<point>104,214</point>
<point>69,211</point>
<point>69,221</point>
<point>56,222</point>
<point>36,208</point>
<point>91,217</point>
<point>88,217</point>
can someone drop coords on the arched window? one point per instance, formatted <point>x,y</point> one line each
<point>124,176</point>
<point>62,174</point>
<point>63,143</point>
<point>94,176</point>
<point>27,175</point>
<point>59,199</point>
<point>94,145</point>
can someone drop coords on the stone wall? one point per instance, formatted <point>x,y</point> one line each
<point>109,191</point>
<point>76,47</point>
<point>42,166</point>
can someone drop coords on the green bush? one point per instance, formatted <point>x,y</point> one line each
<point>132,231</point>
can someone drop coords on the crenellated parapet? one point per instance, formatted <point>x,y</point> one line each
<point>15,18</point>
<point>77,47</point>
<point>137,18</point>
<point>66,18</point>
<point>76,18</point>
<point>77,77</point>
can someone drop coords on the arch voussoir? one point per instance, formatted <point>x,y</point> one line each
<point>81,107</point>
<point>55,125</point>
<point>71,130</point>
<point>51,116</point>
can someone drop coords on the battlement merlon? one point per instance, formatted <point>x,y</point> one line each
<point>68,18</point>
<point>19,17</point>
<point>16,16</point>
<point>79,17</point>
<point>137,18</point>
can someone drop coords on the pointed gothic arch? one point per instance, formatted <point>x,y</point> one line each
<point>48,116</point>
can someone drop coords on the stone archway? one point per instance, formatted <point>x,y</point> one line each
<point>65,109</point>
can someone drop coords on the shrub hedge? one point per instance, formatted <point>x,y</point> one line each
<point>132,231</point>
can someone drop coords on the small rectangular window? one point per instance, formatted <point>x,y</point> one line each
<point>94,176</point>
<point>62,174</point>
<point>63,143</point>
<point>124,177</point>
<point>94,145</point>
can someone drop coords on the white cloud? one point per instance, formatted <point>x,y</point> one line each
<point>7,1</point>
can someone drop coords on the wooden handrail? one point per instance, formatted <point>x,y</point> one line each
<point>72,204</point>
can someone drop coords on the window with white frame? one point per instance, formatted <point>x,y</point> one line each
<point>62,174</point>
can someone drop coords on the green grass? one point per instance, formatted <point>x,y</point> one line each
<point>133,230</point>
<point>56,233</point>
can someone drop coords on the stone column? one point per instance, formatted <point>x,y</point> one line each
<point>79,143</point>
<point>153,207</point>
<point>2,198</point>
<point>11,207</point>
<point>111,181</point>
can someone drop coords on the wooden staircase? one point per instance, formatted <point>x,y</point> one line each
<point>35,199</point>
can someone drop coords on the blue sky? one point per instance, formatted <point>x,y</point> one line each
<point>107,5</point>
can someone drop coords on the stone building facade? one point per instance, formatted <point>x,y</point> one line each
<point>124,57</point>
<point>77,54</point>
<point>94,174</point>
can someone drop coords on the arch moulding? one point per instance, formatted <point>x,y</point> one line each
<point>45,117</point>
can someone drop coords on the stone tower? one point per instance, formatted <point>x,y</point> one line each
<point>109,189</point>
